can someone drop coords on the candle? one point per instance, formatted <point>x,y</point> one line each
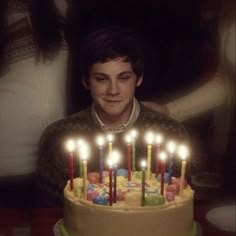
<point>110,165</point>
<point>115,157</point>
<point>183,152</point>
<point>100,142</point>
<point>128,153</point>
<point>158,142</point>
<point>70,146</point>
<point>84,157</point>
<point>171,148</point>
<point>163,167</point>
<point>149,138</point>
<point>133,135</point>
<point>80,144</point>
<point>143,166</point>
<point>110,139</point>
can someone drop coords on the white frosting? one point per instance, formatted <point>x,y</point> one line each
<point>83,218</point>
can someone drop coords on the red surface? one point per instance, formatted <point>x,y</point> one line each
<point>42,220</point>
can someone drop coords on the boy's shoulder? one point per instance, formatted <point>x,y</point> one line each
<point>79,121</point>
<point>156,121</point>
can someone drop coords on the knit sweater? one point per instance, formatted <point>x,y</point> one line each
<point>53,165</point>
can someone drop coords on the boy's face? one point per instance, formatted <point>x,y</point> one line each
<point>112,86</point>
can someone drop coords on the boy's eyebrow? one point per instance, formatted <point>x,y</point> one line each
<point>121,73</point>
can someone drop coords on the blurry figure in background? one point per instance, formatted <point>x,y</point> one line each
<point>218,94</point>
<point>33,61</point>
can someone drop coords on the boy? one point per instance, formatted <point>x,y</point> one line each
<point>111,68</point>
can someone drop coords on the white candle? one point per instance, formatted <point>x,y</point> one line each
<point>183,152</point>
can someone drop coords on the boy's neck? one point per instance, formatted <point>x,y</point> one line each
<point>116,124</point>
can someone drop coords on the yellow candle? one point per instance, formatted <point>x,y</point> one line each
<point>110,139</point>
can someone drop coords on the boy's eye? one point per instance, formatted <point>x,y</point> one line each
<point>100,78</point>
<point>124,77</point>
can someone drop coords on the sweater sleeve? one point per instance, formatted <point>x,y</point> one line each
<point>203,99</point>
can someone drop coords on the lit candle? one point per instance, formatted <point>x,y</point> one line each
<point>70,146</point>
<point>110,138</point>
<point>128,153</point>
<point>183,152</point>
<point>143,166</point>
<point>163,167</point>
<point>80,144</point>
<point>171,148</point>
<point>149,139</point>
<point>115,157</point>
<point>133,134</point>
<point>84,157</point>
<point>110,165</point>
<point>158,142</point>
<point>100,142</point>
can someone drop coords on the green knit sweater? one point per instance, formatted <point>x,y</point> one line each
<point>53,166</point>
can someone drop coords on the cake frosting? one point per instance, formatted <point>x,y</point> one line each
<point>169,214</point>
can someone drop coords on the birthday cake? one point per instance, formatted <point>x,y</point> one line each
<point>139,207</point>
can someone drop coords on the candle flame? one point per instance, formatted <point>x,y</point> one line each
<point>128,138</point>
<point>143,163</point>
<point>133,133</point>
<point>110,137</point>
<point>84,151</point>
<point>183,152</point>
<point>171,146</point>
<point>70,145</point>
<point>159,139</point>
<point>149,137</point>
<point>163,156</point>
<point>100,140</point>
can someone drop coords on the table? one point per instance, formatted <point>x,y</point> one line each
<point>40,221</point>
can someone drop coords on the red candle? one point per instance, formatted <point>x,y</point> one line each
<point>110,186</point>
<point>163,167</point>
<point>157,157</point>
<point>70,145</point>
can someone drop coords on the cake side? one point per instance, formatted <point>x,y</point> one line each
<point>83,217</point>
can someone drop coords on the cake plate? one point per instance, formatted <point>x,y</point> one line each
<point>56,228</point>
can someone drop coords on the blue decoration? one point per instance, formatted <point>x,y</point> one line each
<point>100,200</point>
<point>166,177</point>
<point>122,172</point>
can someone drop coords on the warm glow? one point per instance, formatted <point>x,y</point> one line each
<point>149,137</point>
<point>133,133</point>
<point>115,155</point>
<point>159,139</point>
<point>183,152</point>
<point>100,140</point>
<point>70,145</point>
<point>110,162</point>
<point>128,138</point>
<point>162,156</point>
<point>110,137</point>
<point>171,146</point>
<point>143,164</point>
<point>84,151</point>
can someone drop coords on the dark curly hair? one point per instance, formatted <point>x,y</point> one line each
<point>107,43</point>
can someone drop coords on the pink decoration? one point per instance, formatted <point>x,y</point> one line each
<point>93,177</point>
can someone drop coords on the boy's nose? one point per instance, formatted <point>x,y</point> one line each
<point>113,88</point>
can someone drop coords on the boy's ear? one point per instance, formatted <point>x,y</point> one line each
<point>85,83</point>
<point>139,81</point>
